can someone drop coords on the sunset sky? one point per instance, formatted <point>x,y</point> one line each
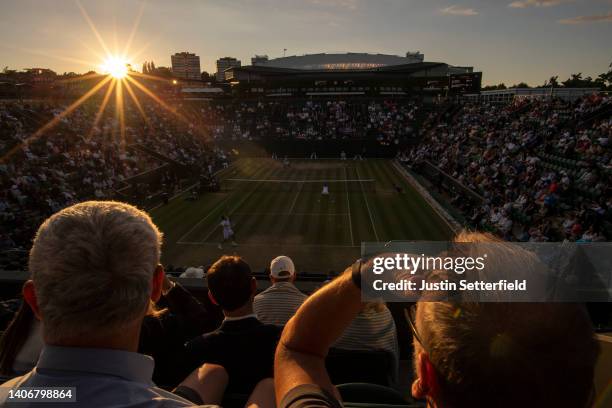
<point>525,40</point>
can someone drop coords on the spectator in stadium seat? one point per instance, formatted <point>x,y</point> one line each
<point>163,334</point>
<point>95,269</point>
<point>277,304</point>
<point>372,329</point>
<point>193,272</point>
<point>176,318</point>
<point>465,354</point>
<point>21,343</point>
<point>243,345</point>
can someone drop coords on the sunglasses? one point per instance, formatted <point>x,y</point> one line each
<point>410,315</point>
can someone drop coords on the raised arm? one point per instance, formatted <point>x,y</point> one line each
<point>301,352</point>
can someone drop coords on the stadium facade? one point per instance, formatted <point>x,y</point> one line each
<point>349,60</point>
<point>352,74</point>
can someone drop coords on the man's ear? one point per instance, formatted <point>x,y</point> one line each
<point>426,383</point>
<point>157,283</point>
<point>29,295</point>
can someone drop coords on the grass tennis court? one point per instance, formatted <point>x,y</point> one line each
<point>277,210</point>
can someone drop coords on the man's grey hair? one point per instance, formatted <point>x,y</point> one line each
<point>92,266</point>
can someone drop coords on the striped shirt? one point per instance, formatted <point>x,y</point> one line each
<point>277,304</point>
<point>372,330</point>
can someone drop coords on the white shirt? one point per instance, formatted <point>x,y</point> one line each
<point>227,226</point>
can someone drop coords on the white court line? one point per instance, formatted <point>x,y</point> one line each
<point>155,207</point>
<point>349,207</point>
<point>296,197</point>
<point>246,197</point>
<point>222,202</point>
<point>186,189</point>
<point>291,181</point>
<point>368,207</point>
<point>291,213</point>
<point>268,244</point>
<point>450,221</point>
<point>204,241</point>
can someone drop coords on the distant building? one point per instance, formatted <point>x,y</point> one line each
<point>186,65</point>
<point>259,60</point>
<point>346,61</point>
<point>224,64</point>
<point>418,56</point>
<point>352,74</point>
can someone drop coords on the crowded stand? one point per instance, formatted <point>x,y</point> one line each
<point>389,122</point>
<point>534,170</point>
<point>73,161</point>
<point>103,315</point>
<point>305,204</point>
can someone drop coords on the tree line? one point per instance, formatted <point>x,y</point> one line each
<point>603,82</point>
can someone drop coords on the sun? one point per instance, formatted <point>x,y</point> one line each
<point>116,67</point>
<point>117,77</point>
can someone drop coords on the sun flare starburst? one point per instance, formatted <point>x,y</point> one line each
<point>116,67</point>
<point>117,76</point>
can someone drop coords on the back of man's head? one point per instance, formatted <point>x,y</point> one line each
<point>282,269</point>
<point>92,266</point>
<point>508,354</point>
<point>230,282</point>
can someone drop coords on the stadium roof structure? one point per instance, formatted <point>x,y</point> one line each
<point>420,69</point>
<point>351,74</point>
<point>349,60</point>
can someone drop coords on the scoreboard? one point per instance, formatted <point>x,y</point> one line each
<point>454,84</point>
<point>464,83</point>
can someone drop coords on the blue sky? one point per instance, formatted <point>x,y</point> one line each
<point>509,41</point>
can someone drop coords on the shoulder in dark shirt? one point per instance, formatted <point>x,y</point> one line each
<point>244,347</point>
<point>163,337</point>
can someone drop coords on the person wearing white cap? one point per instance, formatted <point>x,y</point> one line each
<point>277,304</point>
<point>193,273</point>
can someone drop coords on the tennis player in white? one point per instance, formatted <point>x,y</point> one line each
<point>228,232</point>
<point>325,190</point>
